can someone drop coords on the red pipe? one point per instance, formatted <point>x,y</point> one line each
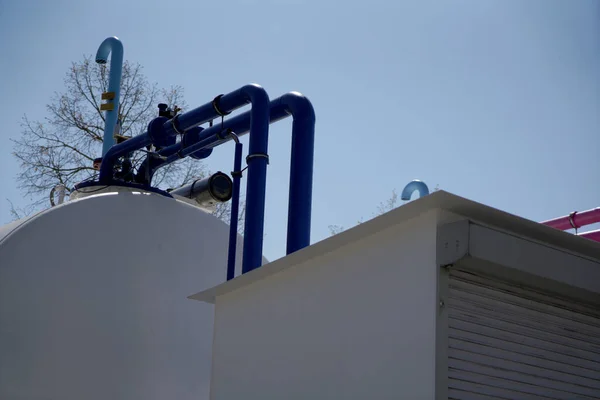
<point>592,235</point>
<point>575,220</point>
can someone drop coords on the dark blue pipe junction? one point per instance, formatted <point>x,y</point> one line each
<point>198,143</point>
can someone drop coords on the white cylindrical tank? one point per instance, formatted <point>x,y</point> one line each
<point>93,299</point>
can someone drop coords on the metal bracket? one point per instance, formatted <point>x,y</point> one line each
<point>452,243</point>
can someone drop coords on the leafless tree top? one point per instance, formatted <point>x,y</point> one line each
<point>60,148</point>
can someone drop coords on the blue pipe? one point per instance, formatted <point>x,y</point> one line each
<point>301,168</point>
<point>414,185</point>
<point>153,134</point>
<point>221,105</point>
<point>108,161</point>
<point>257,159</point>
<point>235,208</point>
<point>113,46</point>
<point>303,132</point>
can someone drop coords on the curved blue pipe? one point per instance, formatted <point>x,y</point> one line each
<point>302,155</point>
<point>153,134</point>
<point>415,185</point>
<point>301,166</point>
<point>257,159</point>
<point>114,47</point>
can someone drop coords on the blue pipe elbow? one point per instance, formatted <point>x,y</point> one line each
<point>301,166</point>
<point>415,185</point>
<point>292,104</point>
<point>111,46</point>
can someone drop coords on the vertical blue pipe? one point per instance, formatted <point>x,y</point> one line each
<point>235,209</point>
<point>114,47</point>
<point>301,168</point>
<point>301,180</point>
<point>257,161</point>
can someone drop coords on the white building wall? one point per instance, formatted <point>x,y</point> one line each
<point>355,323</point>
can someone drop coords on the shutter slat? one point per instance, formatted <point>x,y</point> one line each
<point>522,356</point>
<point>565,345</point>
<point>457,394</point>
<point>563,306</point>
<point>507,384</point>
<point>513,335</point>
<point>519,373</point>
<point>514,342</point>
<point>508,307</point>
<point>475,387</point>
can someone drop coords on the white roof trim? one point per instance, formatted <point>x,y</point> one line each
<point>484,215</point>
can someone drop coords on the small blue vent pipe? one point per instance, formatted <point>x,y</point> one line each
<point>414,185</point>
<point>114,47</point>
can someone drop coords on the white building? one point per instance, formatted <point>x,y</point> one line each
<point>440,298</point>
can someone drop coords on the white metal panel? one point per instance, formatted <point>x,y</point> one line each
<point>355,323</point>
<point>520,258</point>
<point>509,341</point>
<point>93,300</point>
<point>9,228</point>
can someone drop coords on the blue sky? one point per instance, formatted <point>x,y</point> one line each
<point>497,101</point>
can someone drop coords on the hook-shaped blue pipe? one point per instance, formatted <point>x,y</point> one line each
<point>114,47</point>
<point>414,185</point>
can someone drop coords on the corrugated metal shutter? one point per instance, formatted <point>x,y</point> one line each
<point>514,342</point>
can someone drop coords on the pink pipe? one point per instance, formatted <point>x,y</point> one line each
<point>592,235</point>
<point>575,220</point>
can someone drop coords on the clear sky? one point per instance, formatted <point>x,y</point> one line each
<point>497,101</point>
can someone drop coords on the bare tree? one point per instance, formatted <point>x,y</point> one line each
<point>61,148</point>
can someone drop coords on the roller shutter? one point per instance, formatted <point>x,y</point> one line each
<point>509,341</point>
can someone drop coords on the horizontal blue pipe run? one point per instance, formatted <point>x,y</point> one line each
<point>207,112</point>
<point>303,135</point>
